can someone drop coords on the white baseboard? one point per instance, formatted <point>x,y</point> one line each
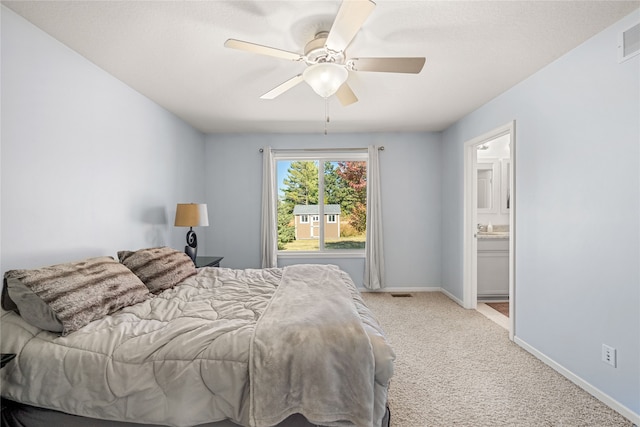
<point>415,289</point>
<point>404,289</point>
<point>452,297</point>
<point>586,386</point>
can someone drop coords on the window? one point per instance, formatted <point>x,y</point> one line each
<point>331,186</point>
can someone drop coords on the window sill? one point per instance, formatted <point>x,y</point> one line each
<point>336,254</point>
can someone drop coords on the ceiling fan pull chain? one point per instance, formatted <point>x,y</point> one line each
<point>326,114</point>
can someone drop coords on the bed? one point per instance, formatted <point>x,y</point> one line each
<point>150,339</point>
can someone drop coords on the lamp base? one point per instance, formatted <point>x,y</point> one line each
<point>192,245</point>
<point>192,252</point>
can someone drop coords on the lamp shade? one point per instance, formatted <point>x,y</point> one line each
<point>191,215</point>
<point>325,78</point>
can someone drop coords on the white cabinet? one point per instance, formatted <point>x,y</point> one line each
<point>493,268</point>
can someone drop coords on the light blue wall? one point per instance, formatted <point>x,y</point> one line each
<point>577,210</point>
<point>89,166</point>
<point>410,171</point>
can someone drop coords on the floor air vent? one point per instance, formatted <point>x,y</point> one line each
<point>396,295</point>
<point>629,43</point>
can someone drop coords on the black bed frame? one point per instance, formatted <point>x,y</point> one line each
<point>19,415</point>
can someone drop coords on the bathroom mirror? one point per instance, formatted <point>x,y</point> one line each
<point>485,178</point>
<point>484,189</point>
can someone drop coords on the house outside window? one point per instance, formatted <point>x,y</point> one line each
<point>305,230</point>
<point>321,209</point>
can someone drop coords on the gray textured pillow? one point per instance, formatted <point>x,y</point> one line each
<point>159,268</point>
<point>65,297</point>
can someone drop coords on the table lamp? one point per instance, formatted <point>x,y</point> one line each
<point>191,215</point>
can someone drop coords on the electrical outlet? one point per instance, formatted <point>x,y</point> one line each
<point>609,355</point>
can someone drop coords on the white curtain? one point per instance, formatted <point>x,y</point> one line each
<point>268,232</point>
<point>374,260</point>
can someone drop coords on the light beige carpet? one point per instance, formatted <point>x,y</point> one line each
<point>455,367</point>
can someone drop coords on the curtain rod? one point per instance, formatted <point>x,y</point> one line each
<point>381,148</point>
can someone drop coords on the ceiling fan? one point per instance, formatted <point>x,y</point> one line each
<point>328,65</point>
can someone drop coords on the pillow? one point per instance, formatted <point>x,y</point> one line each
<point>32,308</point>
<point>6,301</point>
<point>65,297</point>
<point>159,268</point>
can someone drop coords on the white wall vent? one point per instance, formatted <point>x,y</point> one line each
<point>629,43</point>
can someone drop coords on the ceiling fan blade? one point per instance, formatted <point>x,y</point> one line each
<point>388,65</point>
<point>280,89</point>
<point>345,95</point>
<point>262,50</point>
<point>350,17</point>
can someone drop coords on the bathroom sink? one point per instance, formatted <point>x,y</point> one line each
<point>493,233</point>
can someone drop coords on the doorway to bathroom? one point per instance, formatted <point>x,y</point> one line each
<point>489,223</point>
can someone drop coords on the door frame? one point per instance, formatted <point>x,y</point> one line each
<point>470,242</point>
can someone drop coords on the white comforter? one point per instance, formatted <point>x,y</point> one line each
<point>180,359</point>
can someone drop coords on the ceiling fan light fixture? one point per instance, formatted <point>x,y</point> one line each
<point>325,78</point>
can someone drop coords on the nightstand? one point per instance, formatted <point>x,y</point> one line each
<point>208,261</point>
<point>6,358</point>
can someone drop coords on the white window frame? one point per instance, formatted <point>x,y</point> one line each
<point>322,156</point>
<point>304,219</point>
<point>331,218</point>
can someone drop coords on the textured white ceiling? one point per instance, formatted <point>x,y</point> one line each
<point>172,52</point>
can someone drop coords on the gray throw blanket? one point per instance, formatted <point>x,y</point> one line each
<point>310,353</point>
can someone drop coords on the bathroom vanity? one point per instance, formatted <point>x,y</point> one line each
<point>493,265</point>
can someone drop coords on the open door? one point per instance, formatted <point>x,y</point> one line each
<point>470,275</point>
